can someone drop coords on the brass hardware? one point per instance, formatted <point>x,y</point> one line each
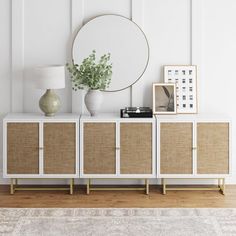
<point>14,188</point>
<point>145,188</point>
<point>71,186</point>
<point>116,188</point>
<point>88,186</point>
<point>220,187</point>
<point>42,188</point>
<point>192,189</point>
<point>164,186</point>
<point>221,183</point>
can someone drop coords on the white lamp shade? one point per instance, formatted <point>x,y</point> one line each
<point>50,77</point>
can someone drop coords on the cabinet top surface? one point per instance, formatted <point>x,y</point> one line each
<point>112,116</point>
<point>193,117</point>
<point>40,116</point>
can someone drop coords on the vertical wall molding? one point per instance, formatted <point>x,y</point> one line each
<point>77,21</point>
<point>137,12</point>
<point>137,17</point>
<point>77,14</point>
<point>197,39</point>
<point>196,32</point>
<point>17,56</point>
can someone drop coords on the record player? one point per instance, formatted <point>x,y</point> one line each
<point>136,112</point>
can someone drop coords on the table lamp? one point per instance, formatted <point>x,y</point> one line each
<point>50,78</point>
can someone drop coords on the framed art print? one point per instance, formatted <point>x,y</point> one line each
<point>164,98</point>
<point>185,78</point>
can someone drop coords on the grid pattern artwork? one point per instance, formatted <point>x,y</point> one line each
<point>185,78</point>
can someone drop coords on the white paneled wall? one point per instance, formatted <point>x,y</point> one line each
<point>218,81</point>
<point>39,32</point>
<point>5,66</point>
<point>43,33</point>
<point>167,26</point>
<point>46,41</point>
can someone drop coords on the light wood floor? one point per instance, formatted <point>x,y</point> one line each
<point>119,199</point>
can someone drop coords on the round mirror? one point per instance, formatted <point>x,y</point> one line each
<point>120,37</point>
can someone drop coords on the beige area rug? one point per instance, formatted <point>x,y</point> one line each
<point>117,222</point>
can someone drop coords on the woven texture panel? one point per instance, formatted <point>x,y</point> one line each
<point>23,148</point>
<point>176,141</point>
<point>212,148</point>
<point>99,148</point>
<point>59,148</point>
<point>136,148</point>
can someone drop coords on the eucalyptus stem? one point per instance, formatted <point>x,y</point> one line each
<point>91,74</point>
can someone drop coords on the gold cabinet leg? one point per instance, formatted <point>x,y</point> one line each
<point>88,186</point>
<point>222,187</point>
<point>71,186</point>
<point>12,186</point>
<point>163,186</point>
<point>147,186</point>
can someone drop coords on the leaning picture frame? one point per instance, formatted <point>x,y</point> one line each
<point>185,78</point>
<point>164,98</point>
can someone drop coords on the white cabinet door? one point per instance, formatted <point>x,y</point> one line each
<point>136,148</point>
<point>22,148</point>
<point>213,148</point>
<point>98,151</point>
<point>117,149</point>
<point>59,148</point>
<point>176,148</point>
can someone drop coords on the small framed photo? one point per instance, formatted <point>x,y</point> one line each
<point>164,98</point>
<point>185,78</point>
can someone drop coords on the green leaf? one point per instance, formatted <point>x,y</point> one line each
<point>91,74</point>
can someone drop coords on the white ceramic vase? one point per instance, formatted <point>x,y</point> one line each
<point>93,101</point>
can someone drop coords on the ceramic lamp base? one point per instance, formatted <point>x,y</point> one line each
<point>50,103</point>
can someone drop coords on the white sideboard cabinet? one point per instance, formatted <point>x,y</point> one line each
<point>193,147</point>
<point>108,147</point>
<point>39,147</point>
<point>114,148</point>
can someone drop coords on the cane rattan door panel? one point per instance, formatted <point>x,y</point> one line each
<point>213,148</point>
<point>176,155</point>
<point>22,148</point>
<point>136,148</point>
<point>59,148</point>
<point>99,154</point>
